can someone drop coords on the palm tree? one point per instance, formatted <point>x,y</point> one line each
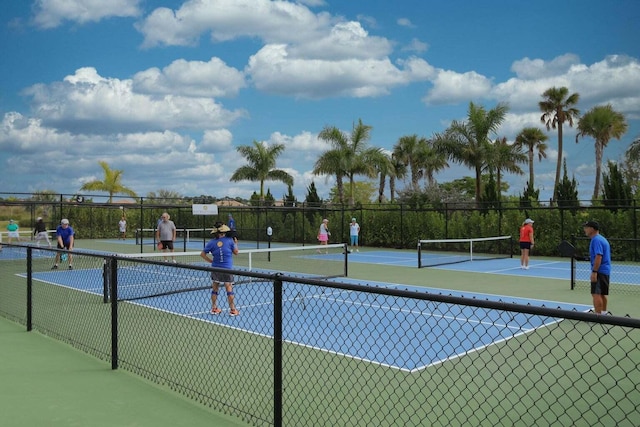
<point>633,152</point>
<point>505,157</point>
<point>111,184</point>
<point>408,151</point>
<point>601,123</point>
<point>261,167</point>
<point>349,156</point>
<point>432,161</point>
<point>534,140</point>
<point>399,171</point>
<point>468,142</point>
<point>385,169</point>
<point>558,108</point>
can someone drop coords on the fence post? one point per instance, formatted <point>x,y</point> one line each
<point>277,353</point>
<point>29,288</point>
<point>113,265</point>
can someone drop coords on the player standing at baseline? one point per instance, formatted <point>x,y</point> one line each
<point>40,232</point>
<point>354,232</point>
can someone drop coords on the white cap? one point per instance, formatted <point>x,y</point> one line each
<point>528,221</point>
<point>64,221</point>
<point>39,218</point>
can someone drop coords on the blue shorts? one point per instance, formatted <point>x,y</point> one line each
<point>354,240</point>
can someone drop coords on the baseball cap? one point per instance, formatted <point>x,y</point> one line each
<point>353,219</point>
<point>64,221</point>
<point>529,221</point>
<point>592,224</point>
<point>39,218</point>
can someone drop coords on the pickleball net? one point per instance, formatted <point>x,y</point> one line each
<point>437,252</point>
<point>150,275</point>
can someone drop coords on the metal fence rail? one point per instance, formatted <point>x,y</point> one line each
<point>316,353</point>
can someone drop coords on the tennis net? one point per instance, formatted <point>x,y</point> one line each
<point>156,274</point>
<point>147,236</point>
<point>432,253</point>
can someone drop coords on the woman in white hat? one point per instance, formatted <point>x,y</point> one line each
<point>526,242</point>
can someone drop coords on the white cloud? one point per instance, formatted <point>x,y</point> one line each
<point>450,87</point>
<point>535,69</point>
<point>345,40</point>
<point>88,103</point>
<point>216,140</point>
<point>272,71</point>
<point>405,22</point>
<point>191,78</point>
<point>416,46</point>
<point>51,13</point>
<point>274,22</point>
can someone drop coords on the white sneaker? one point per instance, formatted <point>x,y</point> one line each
<point>526,267</point>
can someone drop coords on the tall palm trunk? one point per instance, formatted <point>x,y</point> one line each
<point>531,165</point>
<point>392,188</point>
<point>383,180</point>
<point>559,163</point>
<point>599,151</point>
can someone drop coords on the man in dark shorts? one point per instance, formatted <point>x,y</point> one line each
<point>166,234</point>
<point>600,256</point>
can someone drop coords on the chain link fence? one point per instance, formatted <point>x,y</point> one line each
<point>309,352</point>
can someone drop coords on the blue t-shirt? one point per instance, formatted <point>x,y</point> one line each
<point>232,223</point>
<point>221,250</point>
<point>600,246</point>
<point>65,233</point>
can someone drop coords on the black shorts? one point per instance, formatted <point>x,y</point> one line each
<point>525,245</point>
<point>222,277</point>
<point>64,246</point>
<point>167,244</point>
<point>601,285</point>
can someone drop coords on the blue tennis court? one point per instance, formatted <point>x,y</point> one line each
<point>363,319</point>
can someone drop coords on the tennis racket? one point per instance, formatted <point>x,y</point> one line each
<point>64,257</point>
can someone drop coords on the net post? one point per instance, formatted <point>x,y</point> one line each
<point>345,251</point>
<point>419,254</point>
<point>573,273</point>
<point>277,352</point>
<point>470,250</point>
<point>106,278</point>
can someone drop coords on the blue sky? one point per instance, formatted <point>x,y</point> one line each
<point>165,90</point>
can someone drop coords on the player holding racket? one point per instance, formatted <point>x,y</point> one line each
<point>65,238</point>
<point>222,249</point>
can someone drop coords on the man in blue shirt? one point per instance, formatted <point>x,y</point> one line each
<point>65,238</point>
<point>222,250</point>
<point>600,256</point>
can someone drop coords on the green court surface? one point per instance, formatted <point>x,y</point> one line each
<point>48,383</point>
